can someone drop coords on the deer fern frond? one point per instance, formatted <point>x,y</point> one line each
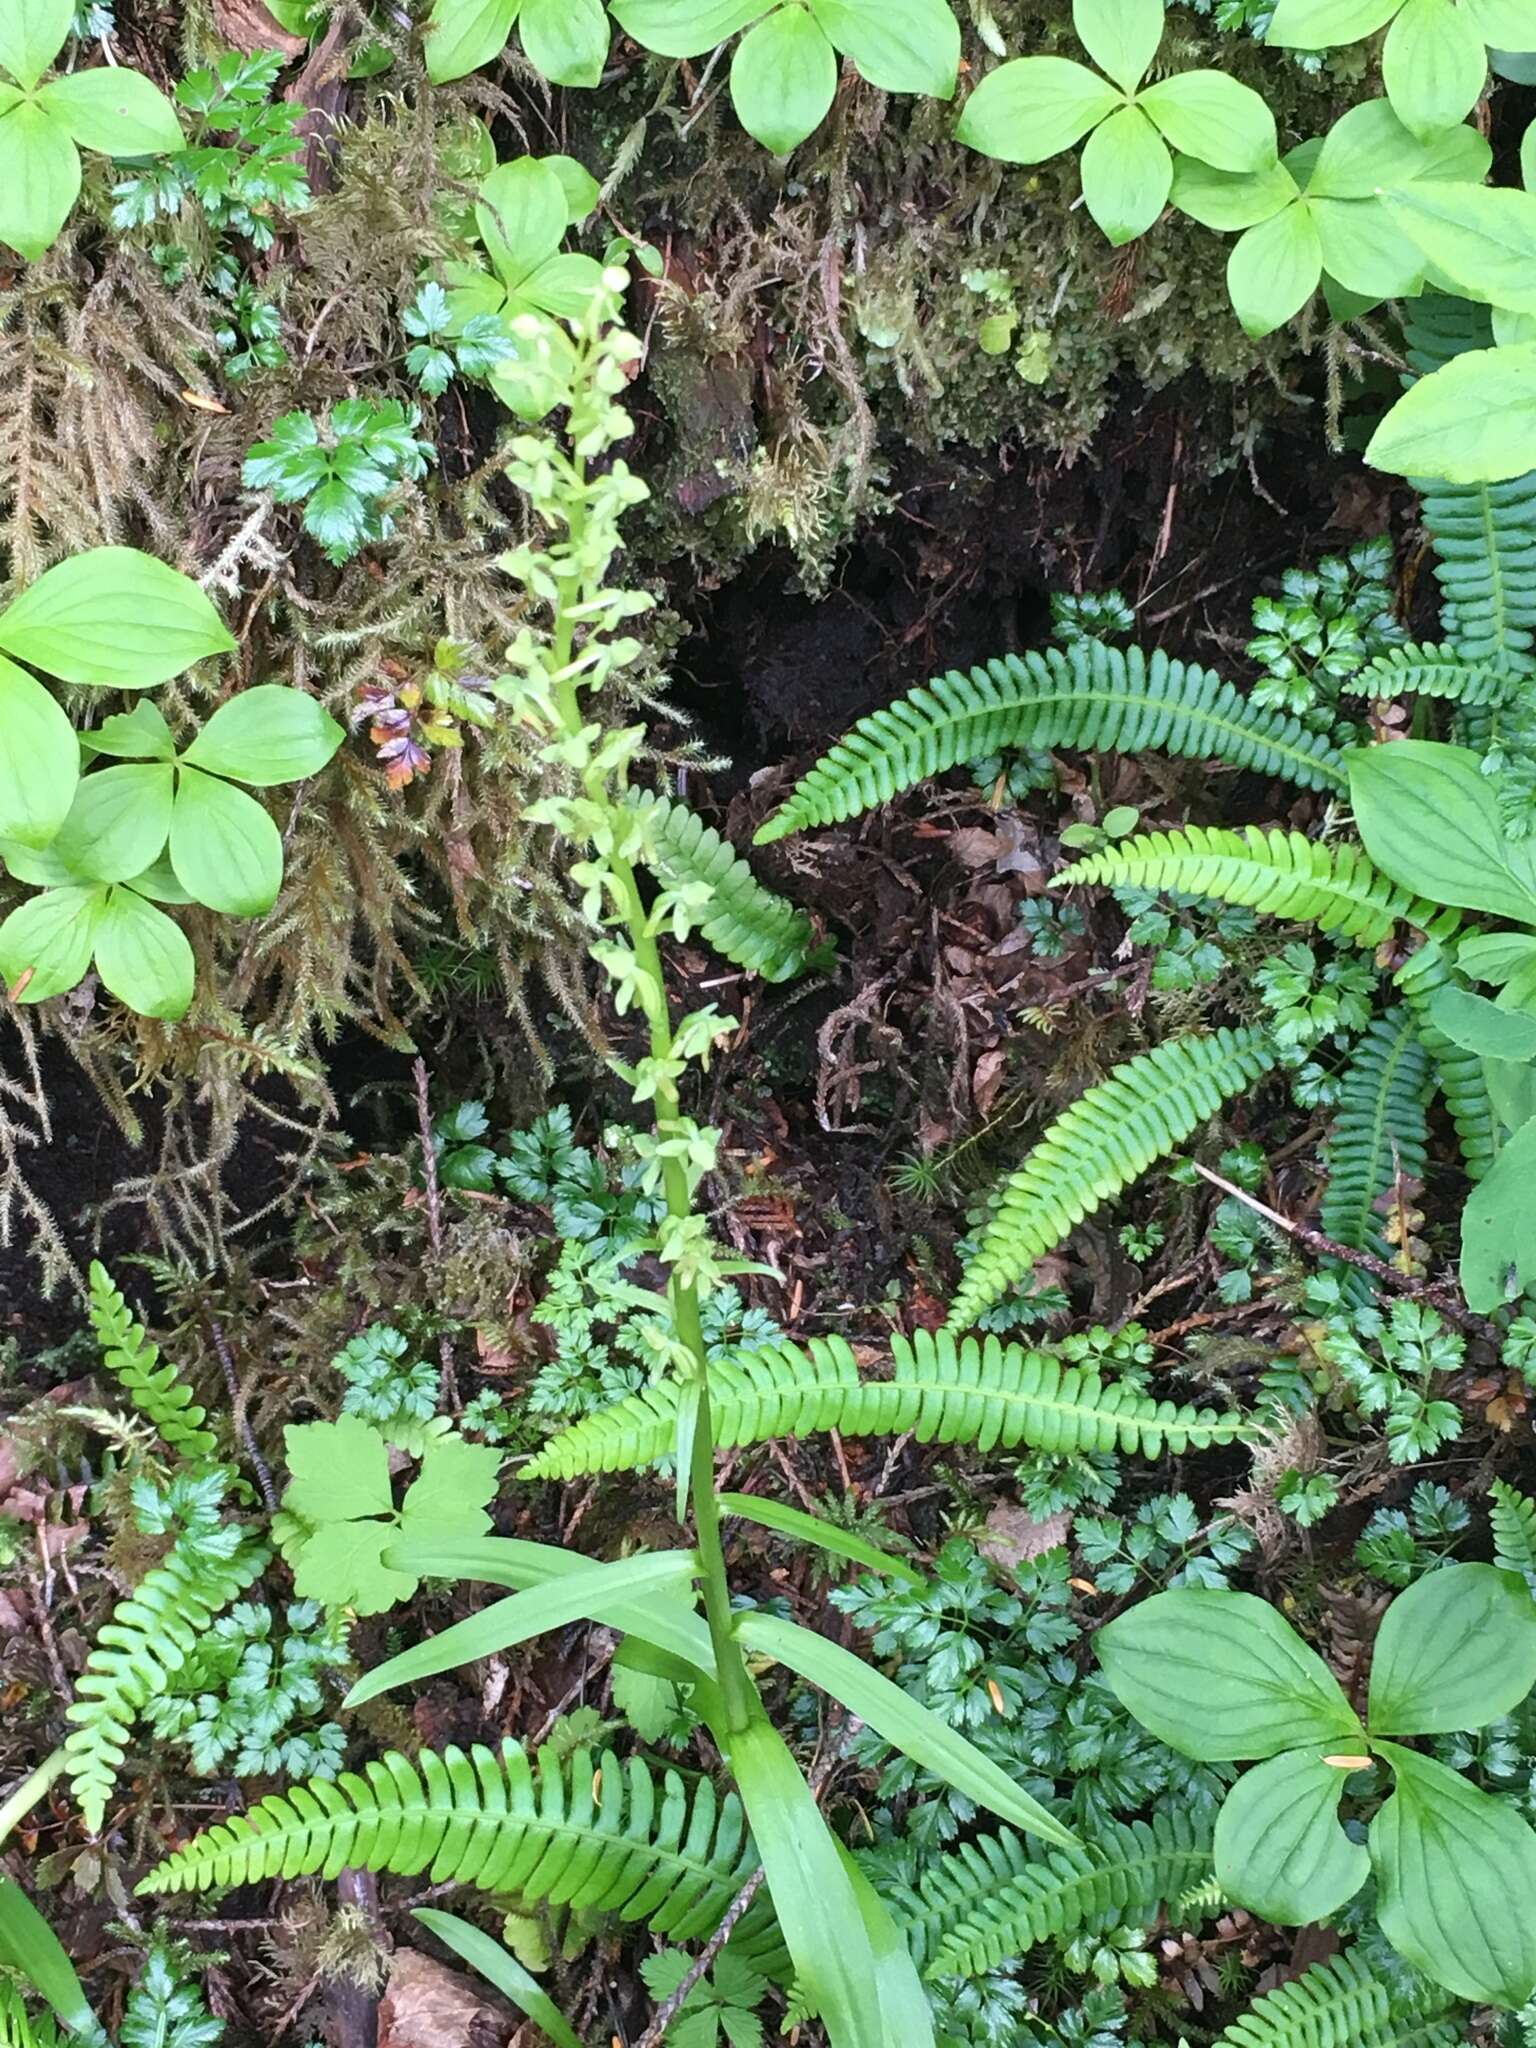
<point>746,922</point>
<point>157,1390</point>
<point>149,1638</point>
<point>1513,1518</point>
<point>1438,670</point>
<point>1283,874</point>
<point>1088,696</point>
<point>942,1389</point>
<point>1459,1074</point>
<point>596,1835</point>
<point>1108,1137</point>
<point>1340,2004</point>
<point>995,1897</point>
<point>1379,1129</point>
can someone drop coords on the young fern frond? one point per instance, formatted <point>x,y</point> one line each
<point>1339,2004</point>
<point>149,1638</point>
<point>157,1390</point>
<point>1379,1130</point>
<point>596,1835</point>
<point>943,1390</point>
<point>1513,1519</point>
<point>1088,696</point>
<point>746,922</point>
<point>1440,670</point>
<point>995,1897</point>
<point>1459,1074</point>
<point>1283,874</point>
<point>1108,1138</point>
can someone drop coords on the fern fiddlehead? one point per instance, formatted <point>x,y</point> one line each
<point>1087,695</point>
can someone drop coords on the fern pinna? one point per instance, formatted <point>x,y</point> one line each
<point>150,1636</point>
<point>1380,1129</point>
<point>157,1390</point>
<point>1099,1145</point>
<point>1438,670</point>
<point>942,1389</point>
<point>995,1897</point>
<point>1087,695</point>
<point>740,918</point>
<point>591,1833</point>
<point>1342,2003</point>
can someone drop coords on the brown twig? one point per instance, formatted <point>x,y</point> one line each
<point>237,1404</point>
<point>655,2033</point>
<point>1440,1295</point>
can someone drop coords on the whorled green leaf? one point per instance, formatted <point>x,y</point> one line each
<point>1121,36</point>
<point>1214,118</point>
<point>114,110</point>
<point>1279,1848</point>
<point>1221,1676</point>
<point>1368,150</point>
<point>1127,174</point>
<point>1456,1650</point>
<point>685,28</point>
<point>783,76</point>
<point>464,34</point>
<point>266,735</point>
<point>1479,1026</point>
<point>1481,239</point>
<point>144,957</point>
<point>1455,1872</point>
<point>567,40</point>
<point>898,45</point>
<point>1434,65</point>
<point>137,735</point>
<point>225,849</point>
<point>1032,108</point>
<point>521,214</point>
<point>1230,200</point>
<point>1274,269</point>
<point>39,760</point>
<point>39,179</point>
<point>1430,819</point>
<point>32,33</point>
<point>113,617</point>
<point>118,823</point>
<point>46,942</point>
<point>1471,421</point>
<point>1325,24</point>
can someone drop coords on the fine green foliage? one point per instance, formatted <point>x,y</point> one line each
<point>995,1897</point>
<point>592,1833</point>
<point>942,1389</point>
<point>1340,2004</point>
<point>1109,1136</point>
<point>1440,670</point>
<point>150,1636</point>
<point>341,470</point>
<point>1379,1128</point>
<point>1283,874</point>
<point>156,1389</point>
<point>1087,695</point>
<point>1513,1518</point>
<point>740,918</point>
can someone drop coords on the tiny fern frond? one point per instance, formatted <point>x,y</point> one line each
<point>941,1389</point>
<point>1088,696</point>
<point>1379,1129</point>
<point>1513,1518</point>
<point>149,1638</point>
<point>1438,670</point>
<point>1459,1075</point>
<point>1283,874</point>
<point>746,922</point>
<point>994,1898</point>
<point>1108,1138</point>
<point>157,1390</point>
<point>593,1835</point>
<point>1340,2004</point>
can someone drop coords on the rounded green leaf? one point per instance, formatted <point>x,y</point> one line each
<point>266,735</point>
<point>898,45</point>
<point>1221,1676</point>
<point>1274,269</point>
<point>225,849</point>
<point>1213,117</point>
<point>32,34</point>
<point>1032,108</point>
<point>1506,24</point>
<point>39,760</point>
<point>158,882</point>
<point>1471,421</point>
<point>562,286</point>
<point>1483,240</point>
<point>1456,1650</point>
<point>41,868</point>
<point>114,110</point>
<point>566,40</point>
<point>113,617</point>
<point>39,179</point>
<point>581,189</point>
<point>521,214</point>
<point>1486,1028</point>
<point>1365,249</point>
<point>1364,151</point>
<point>1228,200</point>
<point>1455,1875</point>
<point>143,957</point>
<point>137,735</point>
<point>1325,24</point>
<point>46,943</point>
<point>1498,1223</point>
<point>1127,174</point>
<point>1279,1849</point>
<point>1121,36</point>
<point>1430,819</point>
<point>118,822</point>
<point>464,34</point>
<point>783,76</point>
<point>1434,65</point>
<point>685,28</point>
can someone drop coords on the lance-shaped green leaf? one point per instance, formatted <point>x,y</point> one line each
<point>46,942</point>
<point>144,957</point>
<point>505,1623</point>
<point>1279,1848</point>
<point>498,1966</point>
<point>906,2014</point>
<point>1456,1650</point>
<point>915,1730</point>
<point>266,735</point>
<point>225,849</point>
<point>1455,1874</point>
<point>112,617</point>
<point>1498,1226</point>
<point>29,1944</point>
<point>1221,1676</point>
<point>827,1536</point>
<point>39,762</point>
<point>1430,819</point>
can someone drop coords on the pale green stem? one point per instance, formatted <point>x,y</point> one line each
<point>30,1790</point>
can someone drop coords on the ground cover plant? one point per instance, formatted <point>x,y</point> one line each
<point>768,932</point>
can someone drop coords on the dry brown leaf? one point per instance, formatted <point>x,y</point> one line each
<point>1014,1536</point>
<point>246,25</point>
<point>426,2005</point>
<point>987,1079</point>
